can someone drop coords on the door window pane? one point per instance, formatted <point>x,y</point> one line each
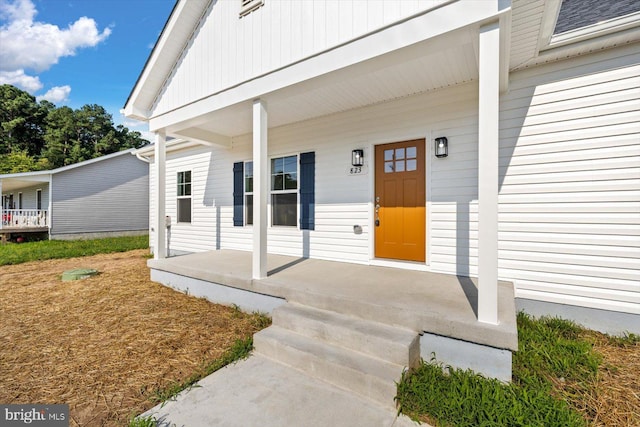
<point>399,153</point>
<point>400,166</point>
<point>388,167</point>
<point>388,155</point>
<point>412,152</point>
<point>412,164</point>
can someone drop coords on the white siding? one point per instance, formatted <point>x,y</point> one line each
<point>569,214</point>
<point>29,197</point>
<point>229,49</point>
<point>570,182</point>
<point>343,201</point>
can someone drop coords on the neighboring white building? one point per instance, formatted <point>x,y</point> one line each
<point>105,196</point>
<point>539,102</point>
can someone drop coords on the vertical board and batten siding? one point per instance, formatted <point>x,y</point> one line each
<point>104,196</point>
<point>343,201</point>
<point>569,211</point>
<point>229,50</point>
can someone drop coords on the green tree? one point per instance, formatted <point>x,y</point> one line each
<point>21,121</point>
<point>21,161</point>
<point>34,134</point>
<point>60,136</point>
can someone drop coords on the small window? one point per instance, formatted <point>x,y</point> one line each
<point>184,196</point>
<point>19,200</point>
<point>39,199</point>
<point>248,193</point>
<point>284,191</point>
<point>248,6</point>
<point>401,160</point>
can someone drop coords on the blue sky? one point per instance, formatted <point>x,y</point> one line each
<point>77,52</point>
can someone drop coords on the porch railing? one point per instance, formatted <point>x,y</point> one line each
<point>24,218</point>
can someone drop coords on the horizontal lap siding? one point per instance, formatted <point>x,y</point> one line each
<point>342,201</point>
<point>108,195</point>
<point>30,197</point>
<point>569,215</point>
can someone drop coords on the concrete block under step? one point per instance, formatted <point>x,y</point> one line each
<point>367,376</point>
<point>397,345</point>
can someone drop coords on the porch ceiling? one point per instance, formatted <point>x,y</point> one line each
<point>14,184</point>
<point>447,60</point>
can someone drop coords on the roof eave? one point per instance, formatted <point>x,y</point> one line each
<point>185,14</point>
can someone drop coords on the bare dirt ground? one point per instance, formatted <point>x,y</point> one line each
<point>104,344</point>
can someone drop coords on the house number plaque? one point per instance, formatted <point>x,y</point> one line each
<point>357,170</point>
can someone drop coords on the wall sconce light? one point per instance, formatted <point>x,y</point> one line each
<point>357,157</point>
<point>442,147</point>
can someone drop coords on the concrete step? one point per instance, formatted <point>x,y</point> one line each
<point>368,376</point>
<point>396,345</point>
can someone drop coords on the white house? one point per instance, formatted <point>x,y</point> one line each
<point>101,197</point>
<point>313,129</point>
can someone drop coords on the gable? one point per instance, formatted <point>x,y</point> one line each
<point>226,49</point>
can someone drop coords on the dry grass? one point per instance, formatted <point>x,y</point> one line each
<point>615,398</point>
<point>103,344</point>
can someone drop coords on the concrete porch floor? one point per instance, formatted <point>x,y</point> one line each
<point>439,304</point>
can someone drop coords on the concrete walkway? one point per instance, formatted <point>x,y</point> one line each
<point>260,392</point>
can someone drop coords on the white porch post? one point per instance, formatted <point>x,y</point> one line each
<point>159,188</point>
<point>50,204</point>
<point>260,189</point>
<point>488,106</point>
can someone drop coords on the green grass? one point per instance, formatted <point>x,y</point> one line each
<point>552,365</point>
<point>143,422</point>
<point>17,253</point>
<point>239,350</point>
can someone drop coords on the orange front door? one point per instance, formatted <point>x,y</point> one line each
<point>400,201</point>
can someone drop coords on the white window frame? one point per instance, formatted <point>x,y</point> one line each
<point>273,192</point>
<point>183,197</point>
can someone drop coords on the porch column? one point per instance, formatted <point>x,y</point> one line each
<point>49,215</point>
<point>260,189</point>
<point>159,188</point>
<point>488,107</point>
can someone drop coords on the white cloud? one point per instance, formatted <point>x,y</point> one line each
<point>18,78</point>
<point>56,94</point>
<point>20,10</point>
<point>32,45</point>
<point>36,45</point>
<point>136,125</point>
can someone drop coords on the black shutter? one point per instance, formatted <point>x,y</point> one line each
<point>238,194</point>
<point>307,190</point>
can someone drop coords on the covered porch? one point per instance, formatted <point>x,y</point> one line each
<point>25,207</point>
<point>441,308</point>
